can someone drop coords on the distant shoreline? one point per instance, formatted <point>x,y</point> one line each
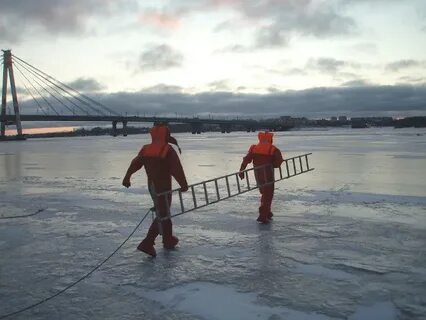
<point>287,125</point>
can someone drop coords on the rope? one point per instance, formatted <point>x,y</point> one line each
<point>24,216</point>
<point>79,280</point>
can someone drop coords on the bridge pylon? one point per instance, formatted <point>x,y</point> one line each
<point>8,70</point>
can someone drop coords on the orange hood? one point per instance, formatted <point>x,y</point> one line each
<point>265,137</point>
<point>160,134</point>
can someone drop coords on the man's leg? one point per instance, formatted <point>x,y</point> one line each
<point>147,244</point>
<point>169,240</point>
<point>270,214</point>
<point>265,203</point>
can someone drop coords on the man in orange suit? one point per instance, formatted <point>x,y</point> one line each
<point>265,157</point>
<point>161,164</point>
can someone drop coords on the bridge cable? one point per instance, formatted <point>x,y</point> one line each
<point>80,279</point>
<point>41,76</point>
<point>60,94</point>
<point>30,93</point>
<point>49,93</point>
<point>24,215</point>
<point>45,100</point>
<point>70,88</point>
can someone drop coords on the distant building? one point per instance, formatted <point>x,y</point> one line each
<point>333,118</point>
<point>343,118</point>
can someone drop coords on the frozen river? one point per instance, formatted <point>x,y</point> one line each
<point>348,240</point>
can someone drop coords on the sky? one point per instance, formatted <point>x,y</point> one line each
<point>313,58</point>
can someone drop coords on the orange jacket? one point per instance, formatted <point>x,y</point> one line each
<point>161,161</point>
<point>261,154</point>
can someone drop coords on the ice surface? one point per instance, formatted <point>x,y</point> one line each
<point>348,240</point>
<point>216,302</point>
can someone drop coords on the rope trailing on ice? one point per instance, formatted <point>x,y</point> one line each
<point>24,215</point>
<point>79,280</point>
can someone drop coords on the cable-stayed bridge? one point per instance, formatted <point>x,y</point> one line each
<point>56,101</point>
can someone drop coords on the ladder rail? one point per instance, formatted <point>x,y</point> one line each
<point>302,163</point>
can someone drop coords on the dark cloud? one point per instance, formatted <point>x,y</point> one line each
<point>404,64</point>
<point>305,19</point>
<point>86,85</point>
<point>160,57</point>
<point>353,99</point>
<point>20,17</point>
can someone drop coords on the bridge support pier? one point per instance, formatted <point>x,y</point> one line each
<point>196,127</point>
<point>114,128</point>
<point>8,68</point>
<point>125,128</point>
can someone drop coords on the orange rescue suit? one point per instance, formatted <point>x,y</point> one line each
<point>161,163</point>
<point>263,154</point>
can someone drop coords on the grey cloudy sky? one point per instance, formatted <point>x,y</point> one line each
<point>242,57</point>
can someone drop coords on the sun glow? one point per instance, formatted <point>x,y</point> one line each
<point>11,132</point>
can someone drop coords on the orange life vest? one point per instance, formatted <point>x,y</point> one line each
<point>265,146</point>
<point>159,146</point>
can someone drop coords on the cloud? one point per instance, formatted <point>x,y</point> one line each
<point>356,83</point>
<point>220,85</point>
<point>86,85</point>
<point>303,18</point>
<point>20,17</point>
<point>163,88</point>
<point>235,48</point>
<point>274,21</point>
<point>339,70</point>
<point>328,65</point>
<point>357,99</point>
<point>269,37</point>
<point>316,102</point>
<point>404,64</point>
<point>160,57</point>
<point>413,80</point>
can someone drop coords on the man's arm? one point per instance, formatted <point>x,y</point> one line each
<point>278,158</point>
<point>135,165</point>
<point>246,160</point>
<point>176,170</point>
